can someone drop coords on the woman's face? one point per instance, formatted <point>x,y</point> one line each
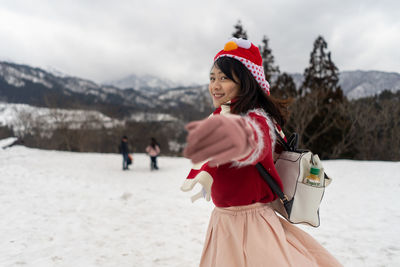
<point>221,88</point>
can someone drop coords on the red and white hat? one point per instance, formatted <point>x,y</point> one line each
<point>247,53</point>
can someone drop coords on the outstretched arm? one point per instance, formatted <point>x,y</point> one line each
<point>219,139</point>
<point>245,140</point>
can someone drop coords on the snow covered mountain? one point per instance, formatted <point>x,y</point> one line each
<point>23,117</point>
<point>46,99</point>
<point>358,84</point>
<point>145,94</point>
<point>34,86</point>
<point>144,82</point>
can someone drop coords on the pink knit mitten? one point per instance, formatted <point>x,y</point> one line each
<point>219,139</point>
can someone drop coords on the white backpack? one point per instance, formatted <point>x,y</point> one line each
<point>299,202</point>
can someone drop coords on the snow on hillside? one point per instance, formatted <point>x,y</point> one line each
<point>147,117</point>
<point>81,86</point>
<point>16,76</point>
<point>142,82</point>
<point>358,84</point>
<point>80,209</point>
<point>21,116</point>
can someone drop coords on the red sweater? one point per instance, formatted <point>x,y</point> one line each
<point>239,183</point>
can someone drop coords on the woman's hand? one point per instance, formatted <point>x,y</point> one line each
<point>219,139</point>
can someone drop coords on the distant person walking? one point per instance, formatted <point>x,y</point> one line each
<point>153,150</point>
<point>124,150</point>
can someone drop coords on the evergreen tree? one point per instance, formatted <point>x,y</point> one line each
<point>270,69</point>
<point>322,74</point>
<point>284,87</point>
<point>239,31</point>
<point>317,115</point>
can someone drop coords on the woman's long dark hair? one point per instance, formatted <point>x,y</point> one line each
<point>154,143</point>
<point>251,94</point>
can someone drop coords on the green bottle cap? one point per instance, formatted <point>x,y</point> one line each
<point>314,170</point>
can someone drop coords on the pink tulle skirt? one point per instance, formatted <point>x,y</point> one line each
<point>254,236</point>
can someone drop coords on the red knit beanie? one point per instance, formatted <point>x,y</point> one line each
<point>249,55</point>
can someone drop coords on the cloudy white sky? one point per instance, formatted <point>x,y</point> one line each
<point>176,39</point>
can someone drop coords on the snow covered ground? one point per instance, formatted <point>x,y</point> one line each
<point>80,209</point>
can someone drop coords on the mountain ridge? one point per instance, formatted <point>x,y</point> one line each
<point>140,82</point>
<point>21,83</point>
<point>35,86</point>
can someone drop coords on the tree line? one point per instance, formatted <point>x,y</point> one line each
<point>327,122</point>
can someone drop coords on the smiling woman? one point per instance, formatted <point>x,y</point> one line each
<point>242,131</point>
<point>222,88</point>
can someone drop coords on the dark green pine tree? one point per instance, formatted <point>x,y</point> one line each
<point>284,87</point>
<point>270,69</point>
<point>317,113</point>
<point>239,31</point>
<point>322,74</point>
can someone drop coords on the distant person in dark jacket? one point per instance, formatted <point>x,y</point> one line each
<point>153,150</point>
<point>124,150</point>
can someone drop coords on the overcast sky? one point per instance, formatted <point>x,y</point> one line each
<point>107,40</point>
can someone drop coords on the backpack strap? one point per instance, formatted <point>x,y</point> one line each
<point>291,144</point>
<point>274,187</point>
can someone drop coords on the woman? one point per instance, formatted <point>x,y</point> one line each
<point>153,150</point>
<point>243,229</point>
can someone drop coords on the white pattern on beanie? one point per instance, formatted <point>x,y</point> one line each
<point>249,55</point>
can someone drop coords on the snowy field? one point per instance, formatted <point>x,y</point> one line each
<point>80,209</point>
